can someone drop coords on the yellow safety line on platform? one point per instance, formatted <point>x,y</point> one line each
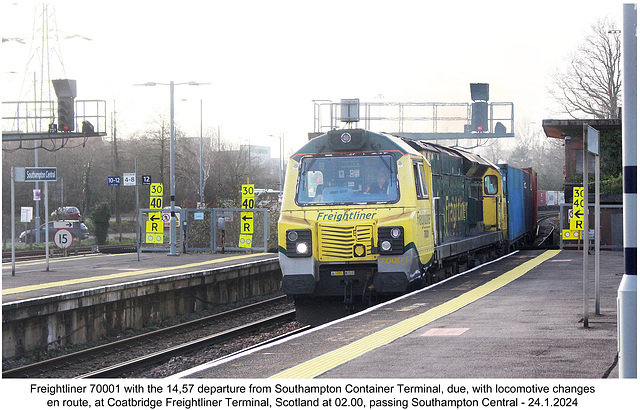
<point>335,358</point>
<point>6,265</point>
<point>23,289</point>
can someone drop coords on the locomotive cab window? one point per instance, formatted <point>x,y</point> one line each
<point>490,185</point>
<point>347,180</point>
<point>421,180</point>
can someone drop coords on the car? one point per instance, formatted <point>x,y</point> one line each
<point>265,198</point>
<point>78,229</point>
<point>66,212</point>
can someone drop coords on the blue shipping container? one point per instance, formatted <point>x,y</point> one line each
<point>513,182</point>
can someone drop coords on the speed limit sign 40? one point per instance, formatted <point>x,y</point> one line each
<point>63,238</point>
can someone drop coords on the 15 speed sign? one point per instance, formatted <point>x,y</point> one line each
<point>63,238</point>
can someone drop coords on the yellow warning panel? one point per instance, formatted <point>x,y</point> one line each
<point>246,224</point>
<point>576,224</point>
<point>245,241</point>
<point>571,235</point>
<point>155,227</point>
<point>578,203</point>
<point>156,189</point>
<point>248,196</point>
<point>154,237</point>
<point>155,202</point>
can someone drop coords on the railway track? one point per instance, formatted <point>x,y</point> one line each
<point>131,366</point>
<point>129,355</point>
<point>543,236</point>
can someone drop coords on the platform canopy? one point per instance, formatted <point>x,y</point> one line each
<point>573,128</point>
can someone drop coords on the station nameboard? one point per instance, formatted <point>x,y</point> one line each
<point>32,174</point>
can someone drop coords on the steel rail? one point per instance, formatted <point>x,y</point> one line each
<point>62,361</point>
<point>164,355</point>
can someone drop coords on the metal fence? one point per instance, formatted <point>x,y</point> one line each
<point>23,120</point>
<point>209,230</point>
<point>610,227</point>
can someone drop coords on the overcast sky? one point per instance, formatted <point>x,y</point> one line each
<point>267,60</point>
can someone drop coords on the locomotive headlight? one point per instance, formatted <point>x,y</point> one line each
<point>302,248</point>
<point>391,240</point>
<point>298,243</point>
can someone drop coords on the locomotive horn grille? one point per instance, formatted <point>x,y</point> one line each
<point>341,242</point>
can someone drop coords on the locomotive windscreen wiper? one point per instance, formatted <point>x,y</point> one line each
<point>386,165</point>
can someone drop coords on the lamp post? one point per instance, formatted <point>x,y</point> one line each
<point>172,221</point>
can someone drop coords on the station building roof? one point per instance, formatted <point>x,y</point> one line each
<point>573,128</point>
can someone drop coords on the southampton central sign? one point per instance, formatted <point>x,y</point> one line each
<point>32,174</point>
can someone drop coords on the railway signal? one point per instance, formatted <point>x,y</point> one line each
<point>480,116</point>
<point>480,107</point>
<point>66,115</point>
<point>66,92</point>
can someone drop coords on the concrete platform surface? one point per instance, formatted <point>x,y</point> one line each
<point>32,280</point>
<point>520,317</point>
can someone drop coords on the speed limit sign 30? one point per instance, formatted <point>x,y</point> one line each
<point>63,238</point>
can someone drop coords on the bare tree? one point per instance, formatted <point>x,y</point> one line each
<point>531,148</point>
<point>591,83</point>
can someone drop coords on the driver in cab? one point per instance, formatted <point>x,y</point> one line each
<point>379,186</point>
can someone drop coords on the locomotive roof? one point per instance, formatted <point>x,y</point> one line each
<point>363,141</point>
<point>474,164</point>
<point>355,141</point>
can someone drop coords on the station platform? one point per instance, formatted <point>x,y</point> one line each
<point>77,273</point>
<point>87,298</point>
<point>517,317</point>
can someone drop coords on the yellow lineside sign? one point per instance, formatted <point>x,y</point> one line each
<point>569,235</point>
<point>246,218</point>
<point>155,224</point>
<point>155,227</point>
<point>155,196</point>
<point>577,221</point>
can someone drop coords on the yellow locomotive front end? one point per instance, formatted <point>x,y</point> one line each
<point>356,217</point>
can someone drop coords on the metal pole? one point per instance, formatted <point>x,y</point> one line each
<point>597,229</point>
<point>265,219</point>
<point>137,210</point>
<point>172,221</point>
<point>561,224</point>
<point>585,226</point>
<point>13,223</point>
<point>201,188</point>
<point>628,290</point>
<point>35,152</point>
<point>46,222</point>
